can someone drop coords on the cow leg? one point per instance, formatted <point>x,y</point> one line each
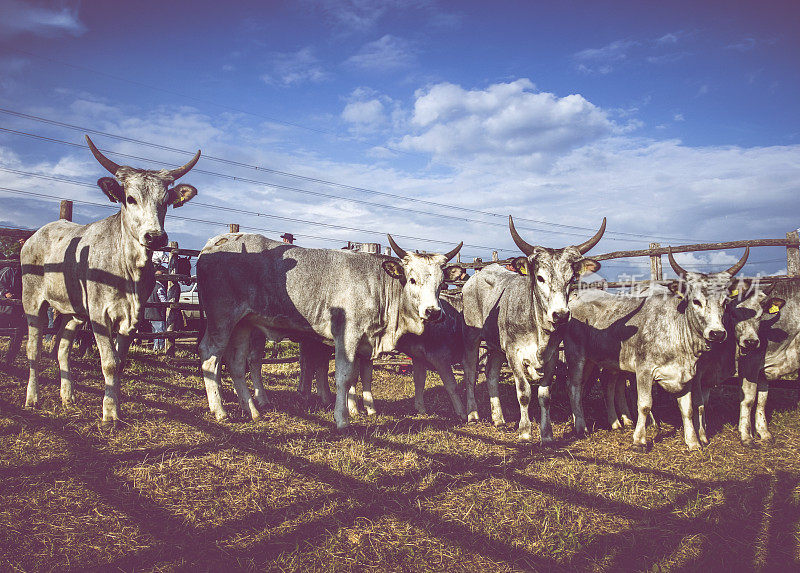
<point>307,370</point>
<point>577,377</point>
<point>346,370</point>
<point>446,374</point>
<point>123,344</point>
<point>609,382</point>
<point>64,346</point>
<point>621,400</point>
<point>365,371</point>
<point>321,376</point>
<point>702,394</point>
<point>543,394</point>
<point>352,396</point>
<point>471,350</point>
<point>211,364</point>
<point>689,433</point>
<point>420,372</point>
<point>254,356</point>
<point>34,349</point>
<point>237,354</point>
<point>524,398</point>
<point>494,361</point>
<point>761,412</point>
<point>644,402</point>
<point>749,390</point>
<point>111,367</point>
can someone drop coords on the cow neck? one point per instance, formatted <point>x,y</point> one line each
<point>537,308</point>
<point>392,311</point>
<point>133,256</point>
<point>691,339</point>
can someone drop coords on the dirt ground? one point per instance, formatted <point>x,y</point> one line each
<point>171,489</point>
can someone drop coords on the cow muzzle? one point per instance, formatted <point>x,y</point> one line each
<point>716,335</point>
<point>559,317</point>
<point>432,314</point>
<point>154,239</point>
<point>748,345</point>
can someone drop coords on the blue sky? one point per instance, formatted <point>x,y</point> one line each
<point>678,121</point>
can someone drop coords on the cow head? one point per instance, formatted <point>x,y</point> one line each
<point>706,296</point>
<point>552,271</point>
<point>750,306</point>
<point>422,276</point>
<point>144,196</point>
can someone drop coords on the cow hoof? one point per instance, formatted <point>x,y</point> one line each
<point>499,423</point>
<point>31,404</point>
<point>221,416</point>
<point>546,441</point>
<point>693,447</point>
<point>639,448</point>
<point>109,424</point>
<point>372,412</point>
<point>748,442</point>
<point>616,425</point>
<point>524,437</point>
<point>767,439</point>
<point>473,417</point>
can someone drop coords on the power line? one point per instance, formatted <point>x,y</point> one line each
<point>235,210</point>
<point>332,183</point>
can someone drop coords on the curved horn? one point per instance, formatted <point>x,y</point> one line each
<point>738,266</point>
<point>680,271</point>
<point>523,246</point>
<point>110,166</point>
<point>452,253</point>
<point>181,171</point>
<point>398,251</point>
<point>584,247</point>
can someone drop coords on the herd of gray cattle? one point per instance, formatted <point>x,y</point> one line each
<point>702,329</point>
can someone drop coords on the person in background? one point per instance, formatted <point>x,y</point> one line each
<point>158,316</point>
<point>12,316</point>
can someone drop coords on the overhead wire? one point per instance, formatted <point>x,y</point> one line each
<point>610,234</point>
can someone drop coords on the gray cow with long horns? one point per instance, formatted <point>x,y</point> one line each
<point>517,313</point>
<point>662,339</point>
<point>100,272</point>
<point>361,304</point>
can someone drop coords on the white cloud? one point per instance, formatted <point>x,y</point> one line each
<point>365,113</point>
<point>602,60</point>
<point>24,17</point>
<point>294,68</point>
<point>503,121</point>
<point>386,54</point>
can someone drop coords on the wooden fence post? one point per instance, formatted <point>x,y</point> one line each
<point>65,212</point>
<point>792,256</point>
<point>173,295</point>
<point>233,228</point>
<point>656,273</point>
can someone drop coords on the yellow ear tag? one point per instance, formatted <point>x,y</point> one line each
<point>523,270</point>
<point>774,309</point>
<point>735,293</point>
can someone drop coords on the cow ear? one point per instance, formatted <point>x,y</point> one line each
<point>587,266</point>
<point>182,193</point>
<point>675,287</point>
<point>520,264</point>
<point>394,269</point>
<point>454,273</point>
<point>741,289</point>
<point>112,189</point>
<point>773,305</point>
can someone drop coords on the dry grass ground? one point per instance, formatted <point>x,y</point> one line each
<point>171,489</point>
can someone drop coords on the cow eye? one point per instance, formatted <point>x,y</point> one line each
<point>130,200</point>
<point>412,281</point>
<point>697,302</point>
<point>540,278</point>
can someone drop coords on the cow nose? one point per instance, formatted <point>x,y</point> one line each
<point>716,335</point>
<point>560,316</point>
<point>749,344</point>
<point>433,314</point>
<point>155,239</point>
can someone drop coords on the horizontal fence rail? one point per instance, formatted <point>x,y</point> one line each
<point>174,307</point>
